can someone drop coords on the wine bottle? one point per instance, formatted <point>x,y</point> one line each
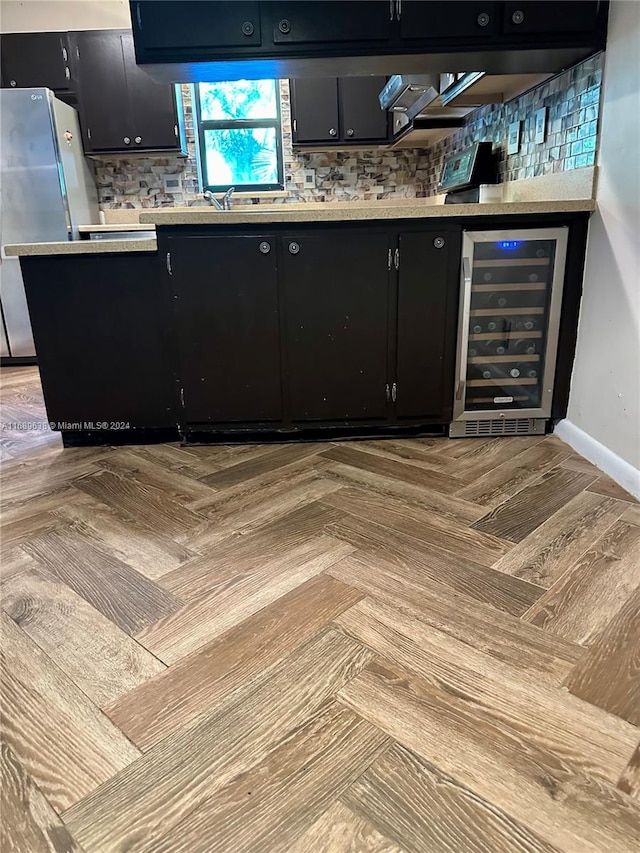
<point>523,371</point>
<point>524,324</point>
<point>525,346</point>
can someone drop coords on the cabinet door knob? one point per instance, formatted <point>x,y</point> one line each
<point>138,140</point>
<point>67,73</point>
<point>333,131</point>
<point>248,28</point>
<point>265,247</point>
<point>64,54</point>
<point>483,19</point>
<point>350,132</point>
<point>284,26</point>
<point>438,242</point>
<point>518,16</point>
<point>12,83</point>
<point>127,140</point>
<point>294,248</point>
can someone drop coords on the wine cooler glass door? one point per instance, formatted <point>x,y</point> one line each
<point>510,310</point>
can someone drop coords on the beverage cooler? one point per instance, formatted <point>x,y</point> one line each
<point>510,305</point>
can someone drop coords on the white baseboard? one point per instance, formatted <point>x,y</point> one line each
<point>606,460</point>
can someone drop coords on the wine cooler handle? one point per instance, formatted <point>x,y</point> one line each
<point>464,331</point>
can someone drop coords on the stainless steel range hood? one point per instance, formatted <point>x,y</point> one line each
<point>409,93</point>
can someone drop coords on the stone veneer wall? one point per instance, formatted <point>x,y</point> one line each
<point>572,99</point>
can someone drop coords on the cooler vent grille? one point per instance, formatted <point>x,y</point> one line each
<point>500,426</point>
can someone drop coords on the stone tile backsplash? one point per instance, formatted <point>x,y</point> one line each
<point>571,99</point>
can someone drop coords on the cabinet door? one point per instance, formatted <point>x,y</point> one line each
<point>317,21</point>
<point>314,105</point>
<point>30,60</point>
<point>152,106</point>
<point>103,101</point>
<point>361,116</point>
<point>427,304</point>
<point>161,24</point>
<point>226,297</point>
<point>335,299</point>
<point>550,16</point>
<point>91,370</point>
<point>462,19</point>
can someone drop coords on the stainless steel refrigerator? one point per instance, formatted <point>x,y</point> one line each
<point>46,189</point>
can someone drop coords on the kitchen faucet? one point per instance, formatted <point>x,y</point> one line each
<point>225,204</point>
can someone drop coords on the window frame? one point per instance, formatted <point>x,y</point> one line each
<point>201,126</point>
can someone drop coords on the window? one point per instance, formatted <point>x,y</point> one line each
<point>239,134</point>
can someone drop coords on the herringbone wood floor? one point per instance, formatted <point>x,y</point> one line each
<point>386,646</point>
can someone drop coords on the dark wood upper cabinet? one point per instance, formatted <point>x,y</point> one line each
<point>360,115</point>
<point>121,107</point>
<point>30,60</point>
<point>317,21</point>
<point>542,17</point>
<point>450,20</point>
<point>225,295</point>
<point>428,278</point>
<point>184,24</point>
<point>335,297</point>
<point>330,111</point>
<point>314,109</point>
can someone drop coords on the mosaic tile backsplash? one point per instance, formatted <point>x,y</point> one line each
<point>571,99</point>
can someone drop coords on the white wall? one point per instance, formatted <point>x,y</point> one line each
<point>22,16</point>
<point>604,406</point>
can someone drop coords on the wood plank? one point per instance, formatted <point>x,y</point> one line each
<point>546,553</point>
<point>609,674</point>
<point>581,603</point>
<point>60,738</point>
<point>14,561</point>
<point>507,479</point>
<point>239,554</point>
<point>606,486</point>
<point>423,809</point>
<point>277,459</point>
<point>124,596</point>
<point>632,515</point>
<point>262,506</point>
<point>270,805</point>
<point>541,655</point>
<point>39,474</point>
<point>629,781</point>
<point>419,523</point>
<point>488,456</point>
<point>435,502</point>
<point>142,804</point>
<point>98,657</point>
<point>405,472</point>
<point>232,601</point>
<point>495,692</point>
<point>144,504</point>
<point>424,566</point>
<point>29,824</point>
<point>149,553</point>
<point>540,790</point>
<point>198,681</point>
<point>339,830</point>
<point>172,483</point>
<point>520,515</point>
<point>403,450</point>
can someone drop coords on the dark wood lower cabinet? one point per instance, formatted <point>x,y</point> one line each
<point>426,329</point>
<point>103,337</point>
<point>225,296</point>
<point>335,297</point>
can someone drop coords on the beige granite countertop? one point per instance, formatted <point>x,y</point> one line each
<point>355,211</point>
<point>129,226</point>
<point>81,247</point>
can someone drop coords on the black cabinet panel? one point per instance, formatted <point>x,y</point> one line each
<point>30,60</point>
<point>330,21</point>
<point>152,105</point>
<point>101,326</point>
<point>314,103</point>
<point>550,16</point>
<point>193,23</point>
<point>361,116</point>
<point>449,20</point>
<point>335,293</point>
<point>226,301</point>
<point>427,288</point>
<point>103,101</point>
